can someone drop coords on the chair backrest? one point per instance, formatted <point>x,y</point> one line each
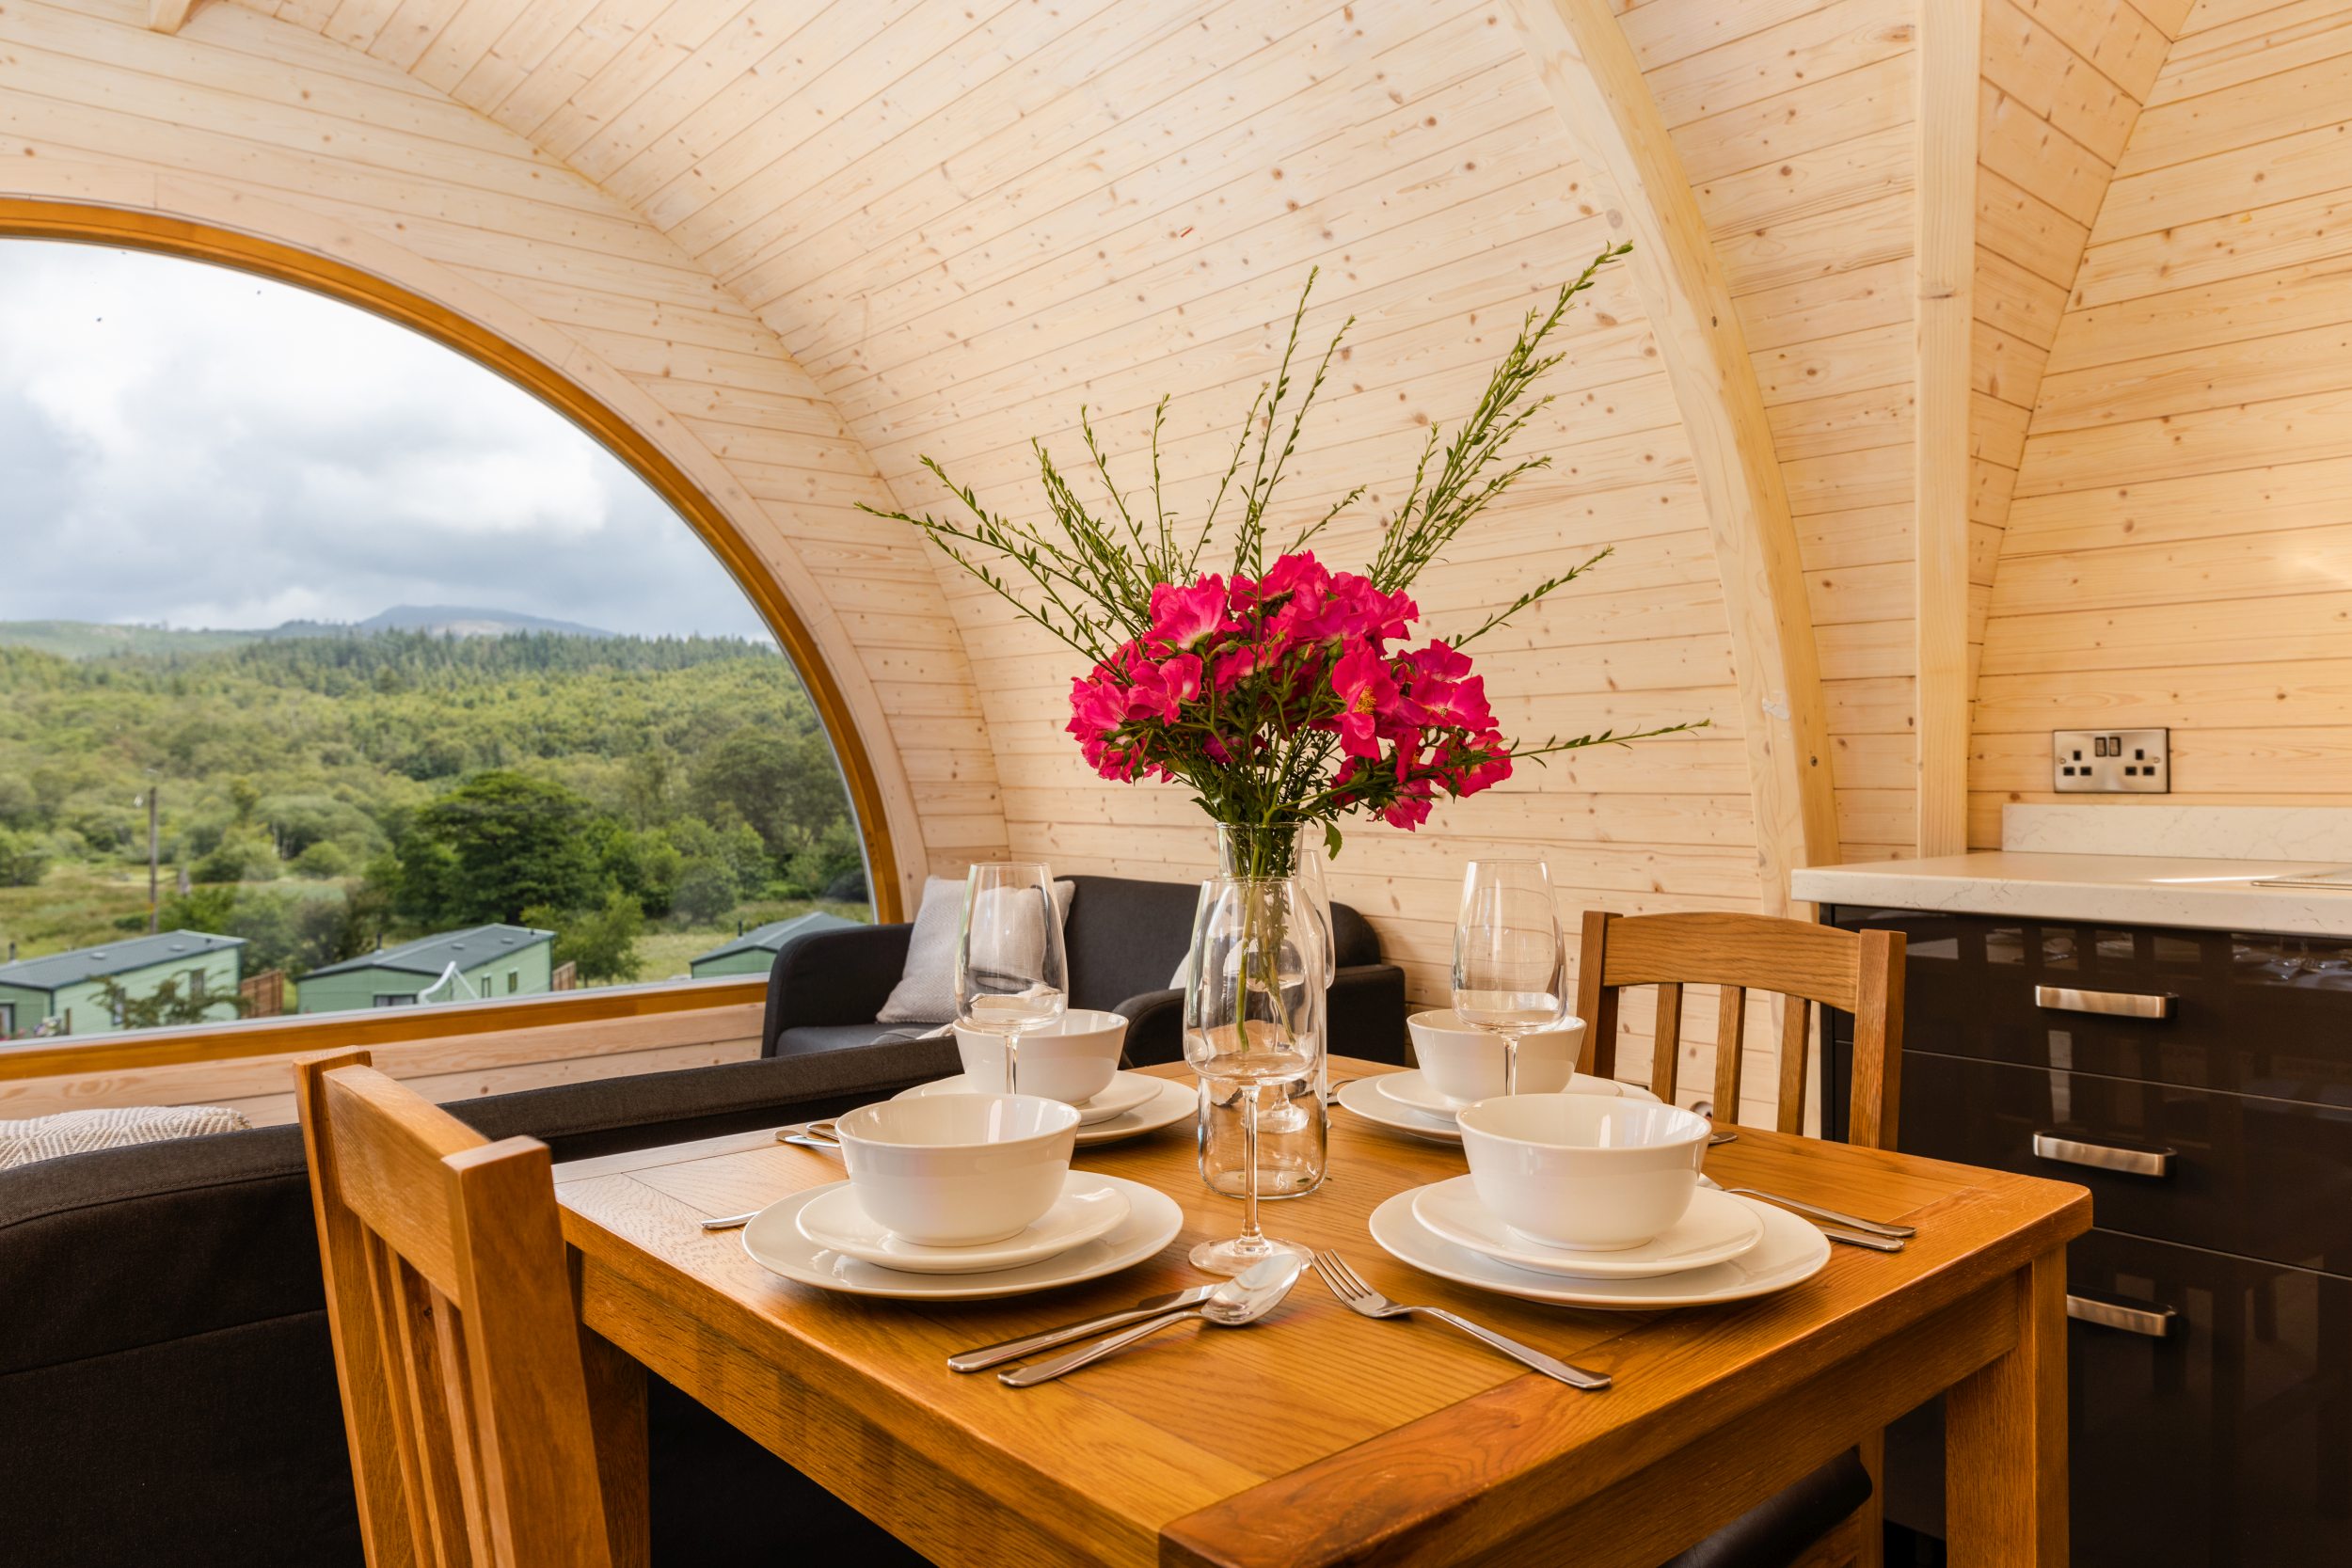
<point>457,1347</point>
<point>1860,973</point>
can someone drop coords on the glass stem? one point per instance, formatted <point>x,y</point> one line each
<point>1510,1064</point>
<point>1251,1237</point>
<point>1012,1064</point>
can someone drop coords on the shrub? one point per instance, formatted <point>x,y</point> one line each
<point>24,859</point>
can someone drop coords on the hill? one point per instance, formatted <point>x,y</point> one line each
<point>97,640</point>
<point>79,640</point>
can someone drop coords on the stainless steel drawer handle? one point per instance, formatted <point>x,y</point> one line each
<point>2131,1162</point>
<point>2114,1003</point>
<point>2154,1322</point>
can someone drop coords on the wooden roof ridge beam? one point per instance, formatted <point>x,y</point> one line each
<point>1949,50</point>
<point>1596,82</point>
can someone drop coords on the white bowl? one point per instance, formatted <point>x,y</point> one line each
<point>958,1169</point>
<point>1582,1171</point>
<point>1466,1064</point>
<point>1071,1060</point>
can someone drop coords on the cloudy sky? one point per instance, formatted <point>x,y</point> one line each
<point>184,444</point>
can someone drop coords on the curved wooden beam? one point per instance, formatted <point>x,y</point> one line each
<point>1950,52</point>
<point>1599,88</point>
<point>202,223</point>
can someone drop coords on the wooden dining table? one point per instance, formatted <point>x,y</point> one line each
<point>1316,1435</point>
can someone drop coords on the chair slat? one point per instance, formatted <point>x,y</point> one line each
<point>1731,1032</point>
<point>1666,1052</point>
<point>370,1427</point>
<point>1877,1056</point>
<point>1596,1003</point>
<point>1760,952</point>
<point>1793,1034</point>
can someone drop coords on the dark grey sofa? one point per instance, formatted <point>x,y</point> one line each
<point>167,1389</point>
<point>1126,937</point>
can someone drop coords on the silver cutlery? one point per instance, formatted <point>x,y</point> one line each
<point>729,1222</point>
<point>1815,1211</point>
<point>1360,1297</point>
<point>998,1354</point>
<point>1716,1140</point>
<point>1243,1299</point>
<point>810,1134</point>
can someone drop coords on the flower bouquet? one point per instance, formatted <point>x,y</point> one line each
<point>1284,694</point>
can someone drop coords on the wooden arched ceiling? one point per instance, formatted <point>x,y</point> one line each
<point>950,223</point>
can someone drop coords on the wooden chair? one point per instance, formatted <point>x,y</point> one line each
<point>1860,973</point>
<point>456,1345</point>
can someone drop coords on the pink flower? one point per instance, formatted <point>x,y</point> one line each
<point>1234,666</point>
<point>1182,617</point>
<point>1368,694</point>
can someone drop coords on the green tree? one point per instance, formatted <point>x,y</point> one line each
<point>24,859</point>
<point>512,843</point>
<point>167,1006</point>
<point>601,942</point>
<point>783,784</point>
<point>242,856</point>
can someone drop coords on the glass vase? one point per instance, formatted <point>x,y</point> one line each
<point>1253,1031</point>
<point>1293,1124</point>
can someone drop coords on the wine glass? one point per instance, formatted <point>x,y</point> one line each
<point>1510,966</point>
<point>1246,1027</point>
<point>1011,976</point>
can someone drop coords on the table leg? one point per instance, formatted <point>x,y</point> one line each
<point>2005,1438</point>
<point>616,1406</point>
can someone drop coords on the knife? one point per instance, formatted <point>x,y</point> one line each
<point>1029,1344</point>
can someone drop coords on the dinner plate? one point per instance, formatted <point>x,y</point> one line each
<point>774,1242</point>
<point>1790,1253</point>
<point>1090,1205</point>
<point>1716,1229</point>
<point>1172,1101</point>
<point>1363,1096</point>
<point>1412,1089</point>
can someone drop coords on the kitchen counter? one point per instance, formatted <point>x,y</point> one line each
<point>2127,890</point>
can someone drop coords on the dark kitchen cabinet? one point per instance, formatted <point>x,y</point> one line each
<point>2210,1364</point>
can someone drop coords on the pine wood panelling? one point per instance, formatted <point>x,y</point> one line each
<point>2184,502</point>
<point>2064,81</point>
<point>607,298</point>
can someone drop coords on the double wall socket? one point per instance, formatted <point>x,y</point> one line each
<point>2129,762</point>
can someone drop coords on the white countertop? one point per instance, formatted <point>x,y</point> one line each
<point>2127,890</point>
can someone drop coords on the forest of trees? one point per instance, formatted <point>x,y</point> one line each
<point>324,792</point>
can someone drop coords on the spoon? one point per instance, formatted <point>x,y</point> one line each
<point>1243,1299</point>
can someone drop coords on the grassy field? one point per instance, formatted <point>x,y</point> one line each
<point>73,907</point>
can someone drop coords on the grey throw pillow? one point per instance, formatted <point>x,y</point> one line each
<point>926,991</point>
<point>81,1132</point>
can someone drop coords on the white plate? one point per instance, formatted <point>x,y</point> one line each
<point>774,1242</point>
<point>1172,1101</point>
<point>1411,1089</point>
<point>1716,1229</point>
<point>1090,1205</point>
<point>1790,1253</point>
<point>1363,1096</point>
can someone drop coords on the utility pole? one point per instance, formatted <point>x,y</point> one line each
<point>155,863</point>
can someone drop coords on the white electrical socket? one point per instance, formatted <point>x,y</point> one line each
<point>2121,762</point>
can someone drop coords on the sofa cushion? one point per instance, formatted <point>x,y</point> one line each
<point>83,1131</point>
<point>926,991</point>
<point>1126,936</point>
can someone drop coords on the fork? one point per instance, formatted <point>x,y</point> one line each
<point>1360,1297</point>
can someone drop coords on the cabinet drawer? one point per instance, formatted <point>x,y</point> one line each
<point>2270,1179</point>
<point>2226,1441</point>
<point>2242,1014</point>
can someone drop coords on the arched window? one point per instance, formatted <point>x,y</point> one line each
<point>338,673</point>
